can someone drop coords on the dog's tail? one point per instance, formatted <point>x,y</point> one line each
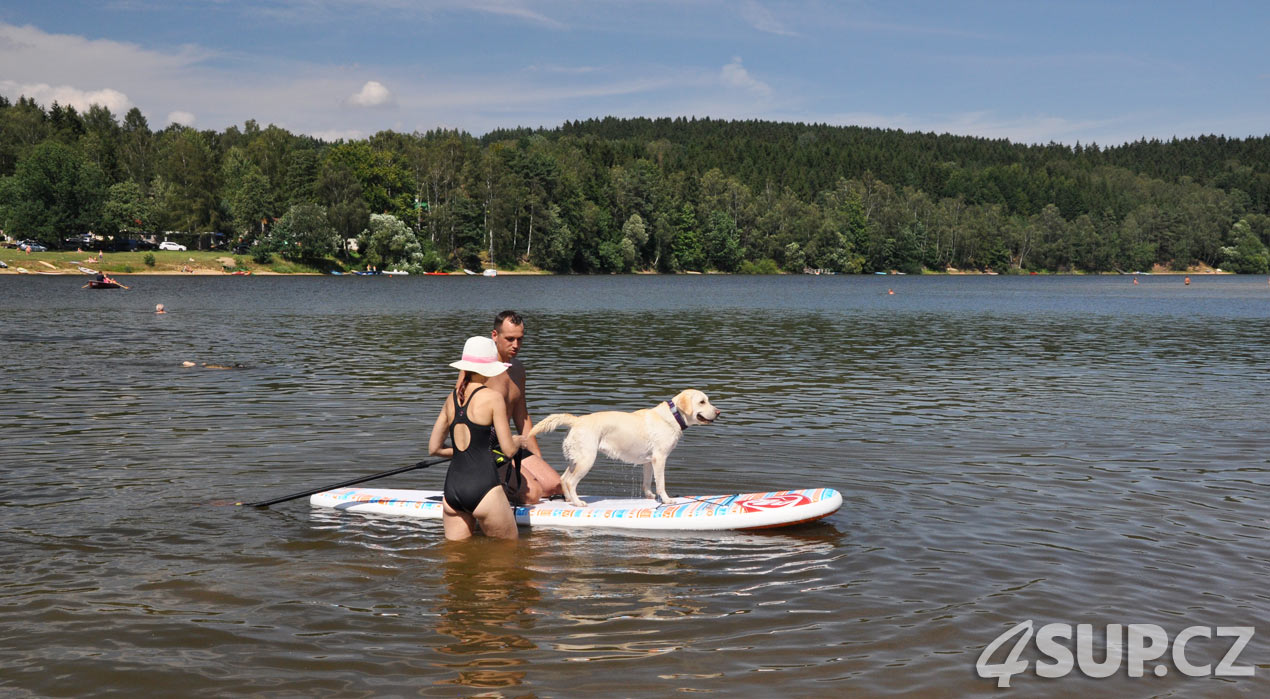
<point>553,421</point>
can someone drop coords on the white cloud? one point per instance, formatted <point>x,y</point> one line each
<point>332,135</point>
<point>45,94</point>
<point>373,94</point>
<point>735,75</point>
<point>70,59</point>
<point>182,118</point>
<point>72,69</point>
<point>763,20</point>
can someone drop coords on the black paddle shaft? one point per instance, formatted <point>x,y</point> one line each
<point>345,484</point>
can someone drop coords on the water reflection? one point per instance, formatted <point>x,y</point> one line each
<point>486,606</point>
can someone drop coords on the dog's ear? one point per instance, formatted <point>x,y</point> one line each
<point>683,401</point>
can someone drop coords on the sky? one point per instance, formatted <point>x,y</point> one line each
<point>1030,71</point>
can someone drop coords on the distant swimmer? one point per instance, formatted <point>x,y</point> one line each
<point>158,308</point>
<point>1187,281</point>
<point>890,292</point>
<point>205,365</point>
<point>1135,280</point>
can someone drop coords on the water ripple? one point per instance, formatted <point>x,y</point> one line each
<point>1072,450</point>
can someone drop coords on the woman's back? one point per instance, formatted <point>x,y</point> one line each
<point>479,401</point>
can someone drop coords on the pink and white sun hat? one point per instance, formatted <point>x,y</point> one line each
<point>480,355</point>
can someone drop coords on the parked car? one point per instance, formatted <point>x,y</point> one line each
<point>31,246</point>
<point>130,245</point>
<point>169,245</point>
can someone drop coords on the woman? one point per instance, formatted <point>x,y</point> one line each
<point>470,417</point>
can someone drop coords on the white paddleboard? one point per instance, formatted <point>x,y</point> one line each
<point>780,508</point>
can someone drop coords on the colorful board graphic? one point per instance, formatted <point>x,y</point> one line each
<point>780,508</point>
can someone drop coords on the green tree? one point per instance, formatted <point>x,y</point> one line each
<point>270,149</point>
<point>341,192</point>
<point>246,194</point>
<point>100,142</point>
<point>842,227</point>
<point>388,243</point>
<point>686,246</point>
<point>387,185</point>
<point>301,181</point>
<point>555,250</point>
<point>23,125</point>
<point>188,166</point>
<point>634,238</point>
<point>722,244</point>
<point>1248,255</point>
<point>65,124</point>
<point>137,150</point>
<point>127,209</point>
<point>303,233</point>
<point>54,192</point>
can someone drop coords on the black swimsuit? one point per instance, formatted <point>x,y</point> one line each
<point>471,474</point>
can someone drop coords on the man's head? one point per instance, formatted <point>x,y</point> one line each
<point>509,330</point>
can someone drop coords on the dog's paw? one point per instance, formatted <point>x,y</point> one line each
<point>667,500</point>
<point>577,503</point>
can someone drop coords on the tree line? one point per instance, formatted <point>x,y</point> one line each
<point>620,195</point>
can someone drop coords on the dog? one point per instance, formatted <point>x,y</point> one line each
<point>645,437</point>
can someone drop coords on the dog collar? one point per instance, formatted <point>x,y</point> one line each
<point>678,417</point>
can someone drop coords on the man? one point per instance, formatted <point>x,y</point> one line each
<point>540,480</point>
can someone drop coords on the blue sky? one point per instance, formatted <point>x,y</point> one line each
<point>1033,72</point>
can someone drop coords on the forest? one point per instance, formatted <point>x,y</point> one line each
<point>625,195</point>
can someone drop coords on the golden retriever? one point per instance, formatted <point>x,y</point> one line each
<point>645,437</point>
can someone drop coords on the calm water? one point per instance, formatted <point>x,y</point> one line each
<point>1072,450</point>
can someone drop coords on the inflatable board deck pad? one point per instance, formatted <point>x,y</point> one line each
<point>780,508</point>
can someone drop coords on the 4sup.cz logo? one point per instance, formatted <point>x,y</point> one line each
<point>1136,645</point>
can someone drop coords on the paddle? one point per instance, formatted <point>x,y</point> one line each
<point>345,484</point>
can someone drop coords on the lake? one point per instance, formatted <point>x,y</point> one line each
<point>1060,450</point>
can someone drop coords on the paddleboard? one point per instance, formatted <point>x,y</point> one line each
<point>780,508</point>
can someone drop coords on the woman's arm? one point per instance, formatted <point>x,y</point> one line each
<point>439,431</point>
